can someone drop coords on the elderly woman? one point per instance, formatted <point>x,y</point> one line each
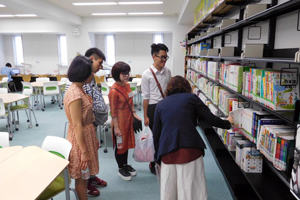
<point>81,132</point>
<point>178,145</point>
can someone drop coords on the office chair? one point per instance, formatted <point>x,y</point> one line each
<point>51,88</point>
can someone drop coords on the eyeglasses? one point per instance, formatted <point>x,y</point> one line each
<point>125,73</point>
<point>163,57</point>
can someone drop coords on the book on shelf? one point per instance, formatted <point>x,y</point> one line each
<point>266,121</point>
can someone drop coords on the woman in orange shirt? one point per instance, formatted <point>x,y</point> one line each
<point>120,102</point>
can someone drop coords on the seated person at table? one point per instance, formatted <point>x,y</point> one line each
<point>7,70</point>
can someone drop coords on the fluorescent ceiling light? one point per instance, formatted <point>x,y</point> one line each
<point>7,16</point>
<point>1,5</point>
<point>94,3</point>
<point>26,15</point>
<point>140,2</point>
<point>103,14</point>
<point>145,13</point>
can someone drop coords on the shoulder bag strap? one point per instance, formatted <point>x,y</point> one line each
<point>125,98</point>
<point>159,87</point>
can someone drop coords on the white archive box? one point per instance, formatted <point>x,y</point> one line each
<point>212,30</point>
<point>213,52</point>
<point>253,9</point>
<point>203,34</point>
<point>197,37</point>
<point>252,160</point>
<point>203,52</point>
<point>226,51</point>
<point>227,22</point>
<point>253,51</point>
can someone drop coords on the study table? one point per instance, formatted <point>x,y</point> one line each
<point>7,152</point>
<point>28,172</point>
<point>39,86</point>
<point>10,98</point>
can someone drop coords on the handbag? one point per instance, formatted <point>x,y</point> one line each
<point>137,124</point>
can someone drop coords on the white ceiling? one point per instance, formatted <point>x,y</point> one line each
<point>64,11</point>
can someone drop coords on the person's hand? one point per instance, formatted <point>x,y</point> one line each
<point>84,160</point>
<point>146,121</point>
<point>230,119</point>
<point>136,116</point>
<point>117,131</point>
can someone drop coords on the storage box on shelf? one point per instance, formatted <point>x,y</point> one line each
<point>253,9</point>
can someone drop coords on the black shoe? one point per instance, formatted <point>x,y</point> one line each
<point>152,168</point>
<point>124,174</point>
<point>131,170</point>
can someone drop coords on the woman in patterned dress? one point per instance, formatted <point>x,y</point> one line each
<point>81,132</point>
<point>122,117</point>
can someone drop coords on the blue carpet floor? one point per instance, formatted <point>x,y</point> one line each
<point>142,187</point>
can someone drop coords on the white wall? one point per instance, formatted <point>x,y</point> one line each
<point>134,49</point>
<point>2,57</point>
<point>91,26</point>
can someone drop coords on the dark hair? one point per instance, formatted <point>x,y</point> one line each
<point>8,65</point>
<point>178,84</point>
<point>155,48</point>
<point>118,68</point>
<point>80,69</point>
<point>96,53</point>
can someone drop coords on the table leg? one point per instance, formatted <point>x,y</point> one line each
<point>11,135</point>
<point>29,113</point>
<point>66,178</point>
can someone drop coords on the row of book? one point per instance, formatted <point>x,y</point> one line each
<point>265,133</point>
<point>272,88</point>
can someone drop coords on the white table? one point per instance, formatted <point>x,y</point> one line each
<point>28,172</point>
<point>7,152</point>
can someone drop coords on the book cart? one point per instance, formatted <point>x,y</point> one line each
<point>271,183</point>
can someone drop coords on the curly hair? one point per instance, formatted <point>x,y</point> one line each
<point>178,84</point>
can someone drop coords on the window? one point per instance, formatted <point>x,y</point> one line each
<point>110,49</point>
<point>18,50</point>
<point>158,38</point>
<point>62,50</point>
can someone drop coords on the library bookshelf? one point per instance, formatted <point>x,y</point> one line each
<point>271,183</point>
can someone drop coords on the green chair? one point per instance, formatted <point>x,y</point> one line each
<point>104,88</point>
<point>24,106</point>
<point>60,147</point>
<point>51,88</point>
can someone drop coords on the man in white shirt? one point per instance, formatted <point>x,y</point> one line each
<point>150,90</point>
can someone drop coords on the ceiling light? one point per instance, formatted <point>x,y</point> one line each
<point>103,14</point>
<point>1,5</point>
<point>94,3</point>
<point>26,15</point>
<point>7,16</point>
<point>145,13</point>
<point>140,2</point>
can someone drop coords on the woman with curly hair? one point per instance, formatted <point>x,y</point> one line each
<point>178,146</point>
